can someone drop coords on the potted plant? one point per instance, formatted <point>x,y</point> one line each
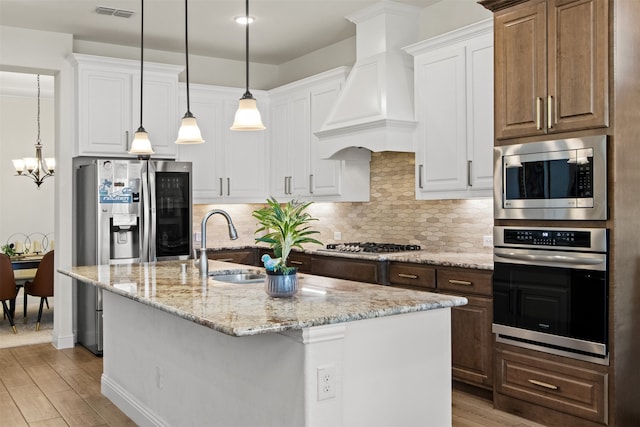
<point>286,226</point>
<point>9,249</point>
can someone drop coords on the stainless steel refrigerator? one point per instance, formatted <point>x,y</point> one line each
<point>127,211</point>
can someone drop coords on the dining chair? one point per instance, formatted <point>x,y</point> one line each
<point>8,289</point>
<point>42,284</point>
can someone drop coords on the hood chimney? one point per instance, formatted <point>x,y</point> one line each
<point>375,108</point>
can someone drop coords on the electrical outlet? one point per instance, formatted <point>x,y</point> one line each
<point>196,237</point>
<point>326,382</point>
<point>337,235</point>
<point>487,241</point>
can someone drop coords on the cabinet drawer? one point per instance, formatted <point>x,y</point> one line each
<point>236,256</point>
<point>407,274</point>
<point>564,387</point>
<point>301,261</point>
<point>348,269</point>
<point>465,281</point>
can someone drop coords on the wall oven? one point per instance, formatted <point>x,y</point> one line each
<point>560,179</point>
<point>550,290</point>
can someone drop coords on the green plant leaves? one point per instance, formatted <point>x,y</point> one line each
<point>287,226</point>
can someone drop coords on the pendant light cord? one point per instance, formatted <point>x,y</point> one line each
<point>247,94</point>
<point>141,56</point>
<point>38,140</point>
<point>186,51</point>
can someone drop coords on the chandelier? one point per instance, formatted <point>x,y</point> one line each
<point>36,167</point>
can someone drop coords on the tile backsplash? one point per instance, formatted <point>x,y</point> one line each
<point>393,215</point>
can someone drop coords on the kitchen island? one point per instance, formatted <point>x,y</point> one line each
<point>183,350</point>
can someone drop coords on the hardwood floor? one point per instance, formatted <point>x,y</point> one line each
<point>42,386</point>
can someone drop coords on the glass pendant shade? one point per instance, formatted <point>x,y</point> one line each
<point>247,116</point>
<point>141,144</point>
<point>30,163</point>
<point>50,164</point>
<point>18,164</point>
<point>189,132</point>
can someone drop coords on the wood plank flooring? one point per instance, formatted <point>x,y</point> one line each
<point>42,386</point>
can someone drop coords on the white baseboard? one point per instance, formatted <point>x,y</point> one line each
<point>63,341</point>
<point>128,404</point>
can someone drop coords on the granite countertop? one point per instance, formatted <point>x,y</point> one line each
<point>480,261</point>
<point>245,309</point>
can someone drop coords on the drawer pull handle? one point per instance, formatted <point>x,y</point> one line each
<point>460,282</point>
<point>407,276</point>
<point>224,259</point>
<point>295,262</point>
<point>543,384</point>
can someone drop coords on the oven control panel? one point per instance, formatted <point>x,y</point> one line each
<point>552,238</point>
<point>564,238</point>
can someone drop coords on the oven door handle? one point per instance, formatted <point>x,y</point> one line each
<point>559,259</point>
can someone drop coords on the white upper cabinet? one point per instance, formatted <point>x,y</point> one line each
<point>296,167</point>
<point>454,109</point>
<point>230,166</point>
<point>108,105</point>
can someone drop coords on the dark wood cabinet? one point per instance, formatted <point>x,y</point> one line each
<point>238,256</point>
<point>571,387</point>
<point>471,336</point>
<point>412,276</point>
<point>360,270</point>
<point>551,66</point>
<point>472,342</point>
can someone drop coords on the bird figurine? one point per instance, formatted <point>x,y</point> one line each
<point>269,263</point>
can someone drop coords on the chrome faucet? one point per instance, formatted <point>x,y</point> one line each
<point>233,235</point>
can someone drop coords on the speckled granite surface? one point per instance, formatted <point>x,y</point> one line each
<point>480,261</point>
<point>449,259</point>
<point>245,309</point>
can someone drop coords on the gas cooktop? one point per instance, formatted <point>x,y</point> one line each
<point>371,247</point>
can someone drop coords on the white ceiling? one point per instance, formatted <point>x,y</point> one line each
<point>283,30</point>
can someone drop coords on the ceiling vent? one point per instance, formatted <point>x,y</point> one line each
<point>121,13</point>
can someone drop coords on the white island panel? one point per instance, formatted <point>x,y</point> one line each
<point>161,369</point>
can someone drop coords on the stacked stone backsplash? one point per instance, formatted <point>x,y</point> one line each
<point>392,216</point>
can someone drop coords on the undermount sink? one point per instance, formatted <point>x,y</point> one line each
<point>238,276</point>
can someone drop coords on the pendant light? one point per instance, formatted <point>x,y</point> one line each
<point>189,132</point>
<point>35,167</point>
<point>141,144</point>
<point>247,117</point>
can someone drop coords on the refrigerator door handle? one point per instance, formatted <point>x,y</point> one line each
<point>149,214</point>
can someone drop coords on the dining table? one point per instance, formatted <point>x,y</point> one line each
<point>24,268</point>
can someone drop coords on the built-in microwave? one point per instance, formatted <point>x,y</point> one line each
<point>563,179</point>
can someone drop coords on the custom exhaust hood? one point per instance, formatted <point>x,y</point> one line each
<point>375,109</point>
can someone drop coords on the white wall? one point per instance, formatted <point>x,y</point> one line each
<point>448,15</point>
<point>45,53</point>
<point>26,209</point>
